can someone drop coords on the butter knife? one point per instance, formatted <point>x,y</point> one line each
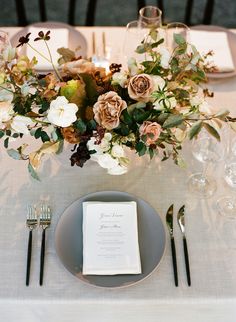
<point>169,222</point>
<point>181,222</point>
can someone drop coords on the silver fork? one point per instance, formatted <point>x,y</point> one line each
<point>44,222</point>
<point>31,223</point>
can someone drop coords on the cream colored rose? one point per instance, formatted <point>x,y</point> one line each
<point>107,110</point>
<point>140,87</point>
<point>78,66</point>
<point>151,130</point>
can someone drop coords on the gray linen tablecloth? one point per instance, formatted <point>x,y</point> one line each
<point>64,298</point>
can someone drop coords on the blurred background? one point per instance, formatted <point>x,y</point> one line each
<point>115,13</point>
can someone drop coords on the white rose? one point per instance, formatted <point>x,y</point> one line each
<point>106,161</point>
<point>20,124</point>
<point>119,79</point>
<point>105,145</point>
<point>165,57</point>
<point>6,110</point>
<point>117,151</point>
<point>118,170</point>
<point>169,102</point>
<point>159,83</point>
<point>61,112</point>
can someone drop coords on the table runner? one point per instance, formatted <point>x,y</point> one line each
<point>211,239</point>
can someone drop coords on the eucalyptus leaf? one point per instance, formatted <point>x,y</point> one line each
<point>14,154</point>
<point>179,39</point>
<point>173,120</point>
<point>33,173</point>
<point>2,133</point>
<point>212,131</point>
<point>195,129</point>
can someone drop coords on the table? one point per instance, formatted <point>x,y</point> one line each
<point>63,298</point>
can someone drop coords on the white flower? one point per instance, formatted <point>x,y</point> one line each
<point>6,109</point>
<point>108,136</point>
<point>195,101</point>
<point>92,146</point>
<point>27,89</point>
<point>165,57</point>
<point>169,103</point>
<point>118,170</point>
<point>159,83</point>
<point>61,112</point>
<point>106,161</point>
<point>20,124</point>
<point>105,145</point>
<point>117,151</point>
<point>119,79</point>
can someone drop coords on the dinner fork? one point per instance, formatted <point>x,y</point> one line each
<point>44,222</point>
<point>31,223</point>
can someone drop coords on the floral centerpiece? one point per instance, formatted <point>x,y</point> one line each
<point>150,108</point>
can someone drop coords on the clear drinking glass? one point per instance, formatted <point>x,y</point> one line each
<point>227,204</point>
<point>207,150</point>
<point>178,28</point>
<point>151,16</point>
<point>136,31</point>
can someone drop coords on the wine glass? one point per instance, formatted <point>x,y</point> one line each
<point>178,28</point>
<point>136,31</point>
<point>227,204</point>
<point>151,16</point>
<point>207,150</point>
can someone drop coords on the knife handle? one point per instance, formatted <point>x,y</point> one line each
<point>174,261</point>
<point>29,258</point>
<point>186,261</point>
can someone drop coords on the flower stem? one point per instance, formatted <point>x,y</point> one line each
<point>38,52</point>
<point>53,65</point>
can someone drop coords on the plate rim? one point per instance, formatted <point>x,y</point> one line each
<point>221,75</point>
<point>120,286</point>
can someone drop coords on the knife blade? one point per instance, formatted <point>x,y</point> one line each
<point>169,222</point>
<point>181,222</point>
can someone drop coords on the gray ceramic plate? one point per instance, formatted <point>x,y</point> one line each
<point>75,38</point>
<point>69,240</point>
<point>232,45</point>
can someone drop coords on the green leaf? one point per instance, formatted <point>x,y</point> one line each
<point>140,115</point>
<point>140,148</point>
<point>37,133</point>
<point>153,34</point>
<point>2,133</point>
<point>195,129</point>
<point>91,125</point>
<point>80,125</point>
<point>14,154</point>
<point>126,117</point>
<point>222,115</point>
<point>44,136</point>
<point>179,39</point>
<point>212,131</point>
<point>141,49</point>
<point>8,132</point>
<point>32,172</point>
<point>173,120</point>
<point>156,44</point>
<point>6,142</point>
<point>124,129</point>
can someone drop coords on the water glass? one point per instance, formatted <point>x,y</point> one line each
<point>176,28</point>
<point>151,16</point>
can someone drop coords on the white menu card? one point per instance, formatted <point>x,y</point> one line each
<point>110,238</point>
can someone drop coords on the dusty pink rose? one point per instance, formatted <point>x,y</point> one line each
<point>107,110</point>
<point>152,131</point>
<point>140,87</point>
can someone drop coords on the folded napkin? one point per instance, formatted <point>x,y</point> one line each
<point>58,38</point>
<point>110,238</point>
<point>217,41</point>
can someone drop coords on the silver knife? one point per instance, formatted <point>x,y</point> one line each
<point>169,222</point>
<point>181,222</point>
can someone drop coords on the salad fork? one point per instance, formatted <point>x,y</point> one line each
<point>31,223</point>
<point>44,222</point>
